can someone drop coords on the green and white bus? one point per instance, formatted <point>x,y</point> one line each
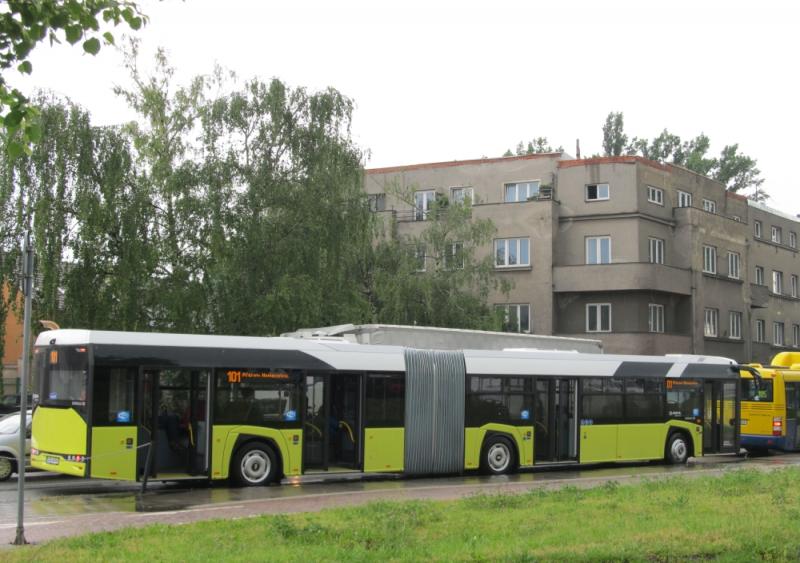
<point>140,406</point>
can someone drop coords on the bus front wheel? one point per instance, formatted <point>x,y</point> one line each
<point>254,464</point>
<point>677,449</point>
<point>498,457</point>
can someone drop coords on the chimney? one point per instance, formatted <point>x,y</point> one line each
<point>577,148</point>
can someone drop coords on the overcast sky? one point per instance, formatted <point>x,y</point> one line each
<point>437,81</point>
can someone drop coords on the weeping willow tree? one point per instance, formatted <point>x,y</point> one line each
<point>288,224</point>
<point>224,207</point>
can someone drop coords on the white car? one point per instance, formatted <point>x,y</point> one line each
<point>9,444</point>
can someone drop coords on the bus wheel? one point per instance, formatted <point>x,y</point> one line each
<point>6,468</point>
<point>498,456</point>
<point>254,464</point>
<point>677,449</point>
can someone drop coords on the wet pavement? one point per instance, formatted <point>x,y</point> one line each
<point>58,506</point>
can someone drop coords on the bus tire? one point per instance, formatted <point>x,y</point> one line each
<point>7,467</point>
<point>254,464</point>
<point>498,456</point>
<point>678,448</point>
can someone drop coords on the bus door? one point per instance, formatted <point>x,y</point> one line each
<point>175,422</point>
<point>332,426</point>
<point>720,418</point>
<point>555,427</point>
<point>792,415</point>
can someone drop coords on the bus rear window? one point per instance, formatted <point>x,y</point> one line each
<point>64,377</point>
<point>761,393</point>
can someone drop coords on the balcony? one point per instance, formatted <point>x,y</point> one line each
<point>621,277</point>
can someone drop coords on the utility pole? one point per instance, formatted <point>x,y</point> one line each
<point>27,290</point>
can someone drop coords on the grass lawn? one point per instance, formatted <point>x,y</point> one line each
<point>743,515</point>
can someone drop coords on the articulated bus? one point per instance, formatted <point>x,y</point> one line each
<point>139,406</point>
<point>771,406</point>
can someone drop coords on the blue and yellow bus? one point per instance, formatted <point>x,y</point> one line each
<point>140,406</point>
<point>771,405</point>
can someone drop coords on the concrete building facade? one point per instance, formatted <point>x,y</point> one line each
<point>648,257</point>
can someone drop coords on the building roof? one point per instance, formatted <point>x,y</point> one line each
<point>768,209</point>
<point>429,165</point>
<point>630,159</point>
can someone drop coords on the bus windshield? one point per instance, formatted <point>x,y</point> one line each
<point>761,393</point>
<point>64,377</point>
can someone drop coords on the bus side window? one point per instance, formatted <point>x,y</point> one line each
<point>385,405</point>
<point>601,400</point>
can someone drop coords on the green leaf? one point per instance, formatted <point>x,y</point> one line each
<point>135,23</point>
<point>109,37</point>
<point>15,150</point>
<point>13,118</point>
<point>92,46</point>
<point>74,33</point>
<point>26,67</point>
<point>33,132</point>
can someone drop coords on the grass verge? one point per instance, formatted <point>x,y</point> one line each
<point>743,515</point>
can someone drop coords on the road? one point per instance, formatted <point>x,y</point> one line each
<point>58,506</point>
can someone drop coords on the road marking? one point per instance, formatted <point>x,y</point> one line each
<point>205,508</point>
<point>29,524</point>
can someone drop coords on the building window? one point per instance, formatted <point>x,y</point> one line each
<point>684,199</point>
<point>377,202</point>
<point>777,282</point>
<point>733,265</point>
<point>759,275</point>
<point>710,206</point>
<point>454,256</point>
<point>760,330</point>
<point>423,201</point>
<point>598,317</point>
<point>656,253</point>
<point>711,322</point>
<point>461,195</point>
<point>597,192</point>
<point>735,325</point>
<point>793,239</point>
<point>419,256</point>
<point>655,195</point>
<point>509,252</point>
<point>777,334</point>
<point>776,234</point>
<point>598,250</point>
<point>521,191</point>
<point>709,259</point>
<point>757,228</point>
<point>796,336</point>
<point>516,318</point>
<point>793,285</point>
<point>655,317</point>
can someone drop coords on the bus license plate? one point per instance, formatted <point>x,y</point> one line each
<point>52,460</point>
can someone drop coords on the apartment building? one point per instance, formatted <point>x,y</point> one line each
<point>648,257</point>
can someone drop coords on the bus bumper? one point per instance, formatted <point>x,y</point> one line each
<point>57,463</point>
<point>762,442</point>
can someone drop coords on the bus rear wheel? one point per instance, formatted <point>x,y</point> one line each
<point>254,464</point>
<point>677,450</point>
<point>498,457</point>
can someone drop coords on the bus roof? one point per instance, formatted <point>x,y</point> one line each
<point>342,355</point>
